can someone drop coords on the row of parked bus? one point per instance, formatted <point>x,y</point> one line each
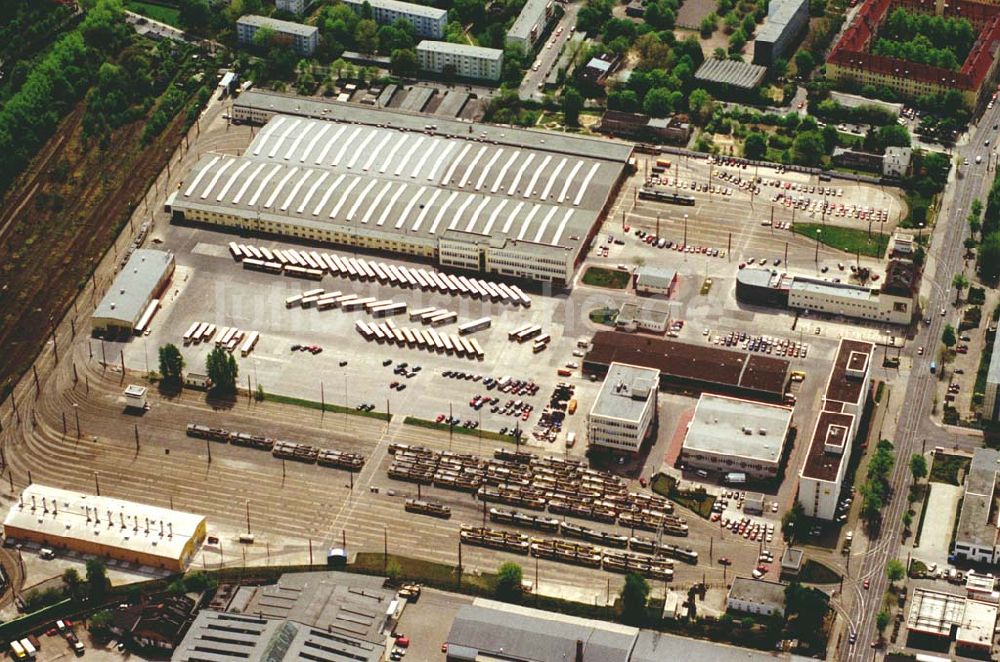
<point>311,264</point>
<point>289,450</point>
<point>426,339</point>
<point>229,338</point>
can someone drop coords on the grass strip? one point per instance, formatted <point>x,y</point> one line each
<point>328,407</point>
<point>849,240</point>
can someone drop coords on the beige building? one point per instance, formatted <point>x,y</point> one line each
<point>104,526</point>
<point>625,410</point>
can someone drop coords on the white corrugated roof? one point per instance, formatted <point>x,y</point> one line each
<point>59,513</point>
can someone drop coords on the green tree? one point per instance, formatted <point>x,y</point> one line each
<point>948,336</point>
<point>366,36</point>
<point>701,104</point>
<point>989,257</point>
<point>572,104</point>
<point>97,578</point>
<point>918,466</point>
<point>508,583</point>
<point>907,519</point>
<point>793,520</point>
<point>221,368</point>
<point>194,15</point>
<point>755,146</point>
<point>171,364</point>
<point>71,580</point>
<point>882,619</point>
<point>804,62</point>
<point>100,622</point>
<point>959,282</point>
<point>808,148</point>
<point>393,570</point>
<point>403,62</point>
<point>658,102</point>
<point>806,609</point>
<point>894,570</point>
<point>634,594</point>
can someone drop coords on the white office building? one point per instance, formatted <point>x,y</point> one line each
<point>302,38</point>
<point>625,410</point>
<point>294,6</point>
<point>428,22</point>
<point>991,403</point>
<point>976,538</point>
<point>844,401</point>
<point>466,61</point>
<point>530,24</point>
<point>732,435</point>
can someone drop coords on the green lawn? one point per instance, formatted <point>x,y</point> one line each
<point>610,278</point>
<point>850,240</point>
<point>606,316</point>
<point>336,409</point>
<point>945,468</point>
<point>814,572</point>
<point>698,502</point>
<point>168,15</point>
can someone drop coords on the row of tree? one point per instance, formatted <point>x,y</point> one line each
<point>954,34</point>
<point>220,366</point>
<point>919,49</point>
<point>875,490</point>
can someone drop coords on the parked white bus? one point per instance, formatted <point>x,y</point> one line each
<point>447,317</point>
<point>310,262</point>
<point>389,310</point>
<point>363,329</point>
<point>416,315</point>
<point>346,298</point>
<point>266,252</point>
<point>249,343</point>
<point>206,336</point>
<point>294,300</point>
<point>307,302</point>
<point>515,334</point>
<point>254,251</point>
<point>477,348</point>
<point>199,332</point>
<point>147,317</point>
<point>313,293</point>
<point>525,301</point>
<point>467,346</point>
<point>357,304</point>
<point>226,337</point>
<point>448,346</point>
<point>377,332</point>
<point>475,325</point>
<point>378,304</point>
<point>235,250</point>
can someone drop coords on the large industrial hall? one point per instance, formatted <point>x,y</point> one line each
<point>511,202</point>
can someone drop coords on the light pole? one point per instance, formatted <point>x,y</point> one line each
<point>819,233</point>
<point>76,414</point>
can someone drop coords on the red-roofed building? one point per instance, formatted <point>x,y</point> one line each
<point>851,62</point>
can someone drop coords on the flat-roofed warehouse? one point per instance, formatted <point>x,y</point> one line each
<point>499,200</point>
<point>729,434</point>
<point>104,526</point>
<point>144,276</point>
<point>686,365</point>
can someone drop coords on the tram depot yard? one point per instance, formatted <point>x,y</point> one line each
<point>528,330</point>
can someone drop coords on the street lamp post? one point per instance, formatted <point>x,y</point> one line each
<point>819,233</point>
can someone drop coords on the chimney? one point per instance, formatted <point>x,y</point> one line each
<point>123,518</point>
<point>32,501</point>
<point>147,525</point>
<point>87,508</point>
<point>170,528</point>
<point>55,510</point>
<point>45,505</point>
<point>161,528</point>
<point>579,651</point>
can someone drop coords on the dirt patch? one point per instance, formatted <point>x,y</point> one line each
<point>692,12</point>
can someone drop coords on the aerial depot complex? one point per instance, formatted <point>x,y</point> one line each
<point>576,331</point>
<point>496,201</point>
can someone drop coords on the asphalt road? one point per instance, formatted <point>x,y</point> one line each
<point>944,261</point>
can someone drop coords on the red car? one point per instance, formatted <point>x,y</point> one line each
<point>440,417</point>
<point>867,584</point>
<point>402,641</point>
<point>725,561</point>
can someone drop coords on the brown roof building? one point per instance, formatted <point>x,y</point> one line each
<point>844,401</point>
<point>689,366</point>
